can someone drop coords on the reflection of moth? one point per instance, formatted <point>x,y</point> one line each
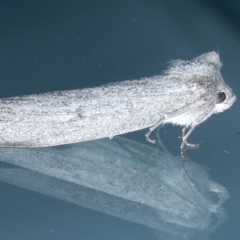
<point>124,179</point>
<point>186,94</point>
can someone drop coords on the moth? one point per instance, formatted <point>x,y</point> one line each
<point>186,94</point>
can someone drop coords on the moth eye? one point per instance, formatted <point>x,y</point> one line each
<point>221,97</point>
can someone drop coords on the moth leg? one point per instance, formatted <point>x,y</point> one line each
<point>150,131</point>
<point>185,142</point>
<point>193,145</point>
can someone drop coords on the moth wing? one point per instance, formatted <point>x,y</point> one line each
<point>80,115</point>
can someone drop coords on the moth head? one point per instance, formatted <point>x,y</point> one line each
<point>224,99</point>
<point>209,59</point>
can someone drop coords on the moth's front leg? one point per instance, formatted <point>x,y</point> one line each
<point>185,142</point>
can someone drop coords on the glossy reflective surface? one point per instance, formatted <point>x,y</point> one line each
<point>57,45</point>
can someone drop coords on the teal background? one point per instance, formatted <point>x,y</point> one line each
<point>58,45</point>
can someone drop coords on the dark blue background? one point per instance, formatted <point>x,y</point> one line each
<point>57,45</point>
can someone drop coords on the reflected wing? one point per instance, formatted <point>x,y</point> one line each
<point>124,179</point>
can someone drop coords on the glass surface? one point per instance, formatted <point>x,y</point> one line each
<point>59,45</point>
<point>124,179</point>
